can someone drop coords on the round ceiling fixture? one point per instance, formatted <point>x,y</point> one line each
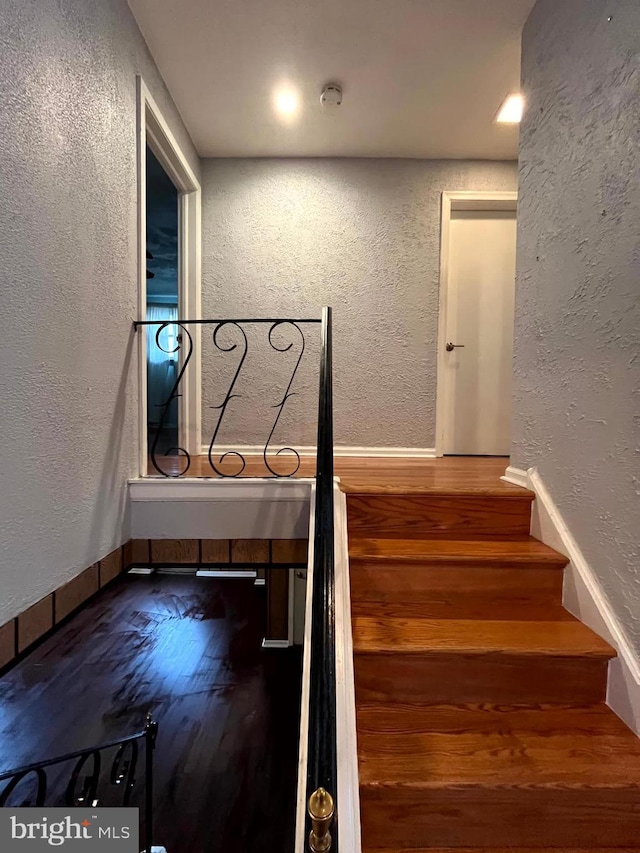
<point>331,95</point>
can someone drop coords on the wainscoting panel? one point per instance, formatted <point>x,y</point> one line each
<point>111,566</point>
<point>7,643</point>
<point>270,559</point>
<point>35,622</point>
<point>176,552</point>
<point>289,550</point>
<point>215,551</point>
<point>70,596</point>
<point>250,551</point>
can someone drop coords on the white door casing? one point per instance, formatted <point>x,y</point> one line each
<point>153,130</point>
<point>477,288</point>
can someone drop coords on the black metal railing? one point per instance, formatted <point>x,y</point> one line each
<point>30,785</point>
<point>322,748</point>
<point>180,348</point>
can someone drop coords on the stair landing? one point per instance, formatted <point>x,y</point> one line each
<point>447,475</point>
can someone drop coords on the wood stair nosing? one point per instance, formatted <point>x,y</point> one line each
<point>381,719</point>
<point>523,552</point>
<point>441,490</point>
<point>523,608</point>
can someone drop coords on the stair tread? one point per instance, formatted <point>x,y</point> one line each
<point>477,636</point>
<point>496,747</point>
<point>437,488</point>
<point>523,550</point>
<point>462,605</point>
<point>380,718</point>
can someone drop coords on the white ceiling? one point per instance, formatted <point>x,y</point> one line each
<point>421,78</point>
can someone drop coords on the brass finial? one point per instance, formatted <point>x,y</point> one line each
<point>321,813</point>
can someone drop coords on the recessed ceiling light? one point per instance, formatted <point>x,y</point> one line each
<point>511,110</point>
<point>286,101</point>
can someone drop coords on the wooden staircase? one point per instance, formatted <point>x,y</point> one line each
<point>480,700</point>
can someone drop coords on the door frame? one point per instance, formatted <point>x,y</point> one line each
<point>153,130</point>
<point>460,200</point>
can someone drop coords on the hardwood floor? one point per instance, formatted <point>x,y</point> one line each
<point>480,700</point>
<point>190,651</point>
<point>450,475</point>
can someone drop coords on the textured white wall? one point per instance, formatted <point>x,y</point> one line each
<point>577,354</point>
<point>68,248</point>
<point>285,237</point>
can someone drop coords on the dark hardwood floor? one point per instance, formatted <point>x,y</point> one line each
<point>190,651</point>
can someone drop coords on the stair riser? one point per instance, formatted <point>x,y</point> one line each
<point>490,818</point>
<point>440,592</point>
<point>421,516</point>
<point>459,678</point>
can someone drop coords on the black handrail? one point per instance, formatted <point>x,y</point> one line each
<point>322,748</point>
<point>123,773</point>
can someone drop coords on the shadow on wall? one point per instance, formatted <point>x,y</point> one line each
<point>112,492</point>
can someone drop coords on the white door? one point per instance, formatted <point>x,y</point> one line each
<point>479,332</point>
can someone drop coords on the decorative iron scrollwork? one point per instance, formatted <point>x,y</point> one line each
<point>288,393</point>
<point>15,780</point>
<point>123,769</point>
<point>229,396</point>
<point>173,395</point>
<point>241,344</point>
<point>89,784</point>
<point>87,788</point>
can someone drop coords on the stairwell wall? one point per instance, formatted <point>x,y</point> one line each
<point>68,259</point>
<point>577,337</point>
<point>282,238</point>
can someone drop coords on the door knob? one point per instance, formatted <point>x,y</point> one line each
<point>450,347</point>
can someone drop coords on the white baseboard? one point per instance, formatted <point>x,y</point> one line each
<point>349,832</point>
<point>251,450</point>
<point>584,597</point>
<point>140,570</point>
<point>516,476</point>
<point>300,843</point>
<point>275,644</point>
<point>387,452</point>
<point>260,582</point>
<point>221,573</point>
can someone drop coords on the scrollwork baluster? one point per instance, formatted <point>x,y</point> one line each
<point>123,769</point>
<point>89,783</point>
<point>82,789</point>
<point>229,396</point>
<point>174,395</point>
<point>288,393</point>
<point>14,781</point>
